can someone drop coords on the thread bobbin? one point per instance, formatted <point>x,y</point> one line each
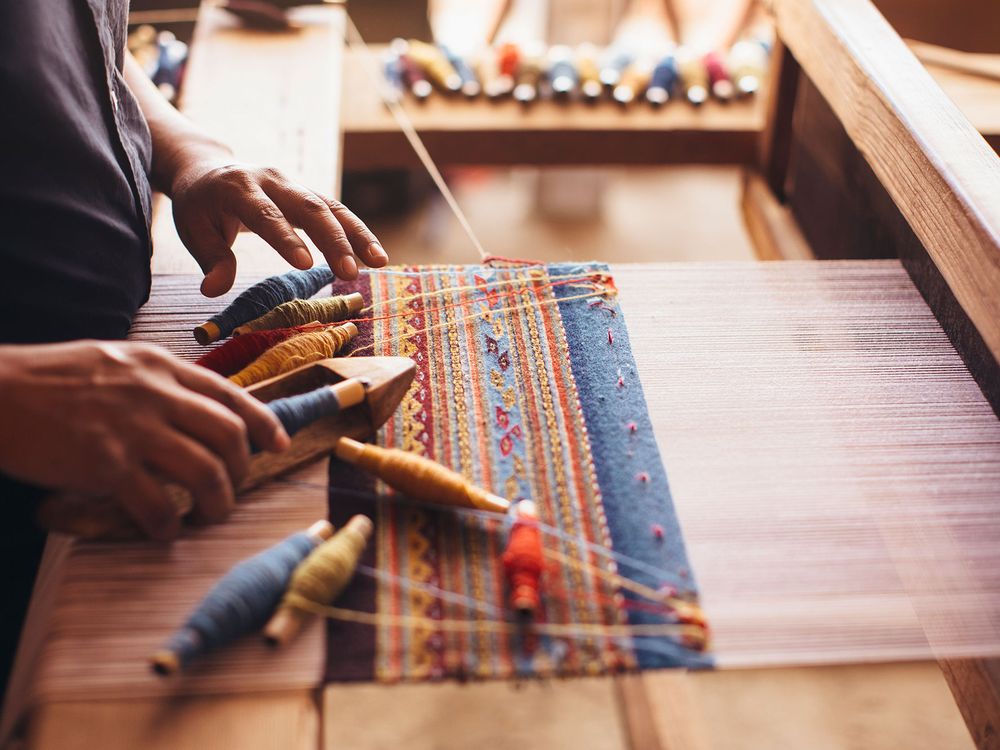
<point>191,639</point>
<point>419,477</point>
<point>348,543</point>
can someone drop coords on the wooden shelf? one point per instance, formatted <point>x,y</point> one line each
<point>461,131</point>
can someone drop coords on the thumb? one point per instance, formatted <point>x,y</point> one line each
<point>213,251</point>
<point>220,273</point>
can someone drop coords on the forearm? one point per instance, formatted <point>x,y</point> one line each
<point>178,144</point>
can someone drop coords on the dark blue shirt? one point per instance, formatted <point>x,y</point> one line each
<point>74,213</point>
<point>74,160</point>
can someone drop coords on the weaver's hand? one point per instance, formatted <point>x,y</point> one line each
<point>212,203</point>
<point>109,419</point>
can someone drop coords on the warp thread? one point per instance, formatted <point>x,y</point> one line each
<point>419,477</point>
<point>238,352</point>
<point>297,351</point>
<point>320,578</point>
<point>298,312</point>
<point>239,603</point>
<point>266,295</point>
<point>523,560</point>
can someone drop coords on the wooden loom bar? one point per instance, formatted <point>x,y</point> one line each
<point>940,172</point>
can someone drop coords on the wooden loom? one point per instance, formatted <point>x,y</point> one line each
<point>842,73</point>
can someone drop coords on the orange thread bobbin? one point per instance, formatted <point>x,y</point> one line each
<point>523,560</point>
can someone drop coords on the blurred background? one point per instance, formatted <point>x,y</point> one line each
<point>685,210</point>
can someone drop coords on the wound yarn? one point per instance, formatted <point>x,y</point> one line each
<point>297,351</point>
<point>233,355</point>
<point>296,412</point>
<point>263,296</point>
<point>298,312</point>
<point>240,602</point>
<point>320,578</point>
<point>523,560</point>
<point>418,477</point>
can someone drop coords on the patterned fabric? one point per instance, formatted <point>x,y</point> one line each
<point>526,385</point>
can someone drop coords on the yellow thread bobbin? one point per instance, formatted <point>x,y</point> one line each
<point>319,579</point>
<point>298,312</point>
<point>297,351</point>
<point>434,64</point>
<point>419,477</point>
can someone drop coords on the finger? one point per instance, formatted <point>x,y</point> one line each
<point>214,254</point>
<point>363,240</point>
<point>259,214</point>
<point>263,428</point>
<point>217,428</point>
<point>186,462</point>
<point>147,503</point>
<point>307,210</point>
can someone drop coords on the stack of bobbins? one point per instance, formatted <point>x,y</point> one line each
<point>240,602</point>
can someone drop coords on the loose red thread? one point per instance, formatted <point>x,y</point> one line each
<point>633,427</point>
<point>611,337</point>
<point>658,532</point>
<point>621,381</point>
<point>643,477</point>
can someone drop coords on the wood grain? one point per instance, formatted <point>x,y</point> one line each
<point>287,720</point>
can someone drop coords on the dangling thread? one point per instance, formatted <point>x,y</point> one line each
<point>523,561</point>
<point>372,69</point>
<point>263,296</point>
<point>295,352</point>
<point>236,353</point>
<point>298,312</point>
<point>319,579</point>
<point>419,477</point>
<point>240,602</point>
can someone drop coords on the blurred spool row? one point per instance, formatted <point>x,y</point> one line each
<point>533,71</point>
<point>162,55</point>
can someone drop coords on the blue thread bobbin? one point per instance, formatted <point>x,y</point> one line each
<point>263,297</point>
<point>240,602</point>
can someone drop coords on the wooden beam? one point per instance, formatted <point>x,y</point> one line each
<point>938,170</point>
<point>776,138</point>
<point>771,226</point>
<point>975,683</point>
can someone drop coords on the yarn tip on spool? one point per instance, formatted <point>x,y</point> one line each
<point>321,530</point>
<point>206,333</point>
<point>165,663</point>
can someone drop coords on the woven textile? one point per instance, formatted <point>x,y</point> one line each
<point>526,384</point>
